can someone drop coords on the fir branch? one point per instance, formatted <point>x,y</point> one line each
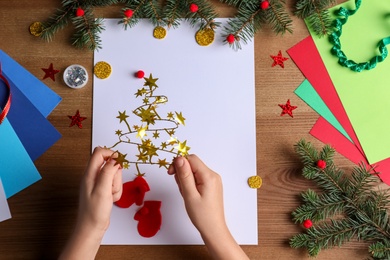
<point>152,10</point>
<point>204,17</point>
<point>232,2</point>
<point>58,21</point>
<point>317,15</point>
<point>278,18</point>
<point>136,6</point>
<point>88,30</point>
<point>173,11</point>
<point>348,208</point>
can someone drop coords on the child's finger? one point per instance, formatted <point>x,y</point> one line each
<point>99,157</point>
<point>117,185</point>
<point>105,179</point>
<point>185,176</point>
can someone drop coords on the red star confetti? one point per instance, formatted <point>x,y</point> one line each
<point>287,108</point>
<point>50,72</point>
<point>76,120</point>
<point>278,60</point>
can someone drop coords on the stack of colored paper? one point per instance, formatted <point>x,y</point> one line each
<point>352,105</point>
<point>25,134</point>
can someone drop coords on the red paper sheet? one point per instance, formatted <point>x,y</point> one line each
<point>308,60</point>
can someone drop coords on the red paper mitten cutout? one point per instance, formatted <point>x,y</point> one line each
<point>149,218</point>
<point>133,192</point>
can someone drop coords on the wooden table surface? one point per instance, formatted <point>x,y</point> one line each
<point>43,215</point>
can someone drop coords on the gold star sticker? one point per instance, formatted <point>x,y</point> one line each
<point>164,145</point>
<point>151,82</point>
<point>147,115</point>
<point>145,101</point>
<point>126,165</point>
<point>180,118</point>
<point>122,116</point>
<point>135,127</point>
<point>170,115</point>
<point>172,141</point>
<point>142,157</point>
<point>171,132</point>
<point>141,132</point>
<point>156,135</point>
<point>121,159</point>
<point>162,163</point>
<point>118,132</point>
<point>183,148</point>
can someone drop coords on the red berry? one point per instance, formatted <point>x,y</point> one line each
<point>128,13</point>
<point>79,12</point>
<point>321,164</point>
<point>307,223</point>
<point>264,5</point>
<point>194,8</point>
<point>140,74</point>
<point>230,38</point>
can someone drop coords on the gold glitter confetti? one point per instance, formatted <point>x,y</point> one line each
<point>204,37</point>
<point>36,28</point>
<point>102,70</point>
<point>159,32</point>
<point>255,182</point>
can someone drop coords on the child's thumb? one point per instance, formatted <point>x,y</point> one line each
<point>185,176</point>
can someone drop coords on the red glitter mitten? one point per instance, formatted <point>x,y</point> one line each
<point>149,218</point>
<point>133,192</point>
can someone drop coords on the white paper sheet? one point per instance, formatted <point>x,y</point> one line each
<point>214,89</point>
<point>4,209</point>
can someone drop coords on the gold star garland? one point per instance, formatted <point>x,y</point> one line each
<point>147,151</point>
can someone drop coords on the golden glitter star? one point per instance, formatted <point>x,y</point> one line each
<point>183,148</point>
<point>142,157</point>
<point>147,115</point>
<point>121,159</point>
<point>156,135</point>
<point>172,141</point>
<point>170,115</point>
<point>122,116</point>
<point>151,82</point>
<point>140,92</point>
<point>180,118</point>
<point>141,132</point>
<point>164,145</point>
<point>162,163</point>
<point>126,165</point>
<point>118,132</point>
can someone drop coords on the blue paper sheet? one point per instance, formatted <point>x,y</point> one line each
<point>42,97</point>
<point>35,132</point>
<point>17,171</point>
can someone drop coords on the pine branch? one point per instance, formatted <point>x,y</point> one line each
<point>173,11</point>
<point>58,21</point>
<point>317,15</point>
<point>152,10</point>
<point>348,208</point>
<point>136,7</point>
<point>204,17</point>
<point>88,30</point>
<point>278,18</point>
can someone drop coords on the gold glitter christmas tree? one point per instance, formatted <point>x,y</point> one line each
<point>144,134</point>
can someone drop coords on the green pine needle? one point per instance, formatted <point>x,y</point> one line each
<point>350,207</point>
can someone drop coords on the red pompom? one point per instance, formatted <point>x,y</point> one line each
<point>79,12</point>
<point>321,164</point>
<point>133,192</point>
<point>307,223</point>
<point>140,74</point>
<point>264,5</point>
<point>230,38</point>
<point>194,8</point>
<point>149,217</point>
<point>128,13</point>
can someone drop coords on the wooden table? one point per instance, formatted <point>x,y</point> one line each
<point>43,215</point>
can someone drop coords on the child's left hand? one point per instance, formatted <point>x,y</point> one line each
<point>100,187</point>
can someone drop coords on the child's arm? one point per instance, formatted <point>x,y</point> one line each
<point>100,187</point>
<point>201,189</point>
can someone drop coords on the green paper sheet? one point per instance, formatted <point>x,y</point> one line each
<point>365,95</point>
<point>308,94</point>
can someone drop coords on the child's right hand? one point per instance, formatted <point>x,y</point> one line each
<point>201,189</point>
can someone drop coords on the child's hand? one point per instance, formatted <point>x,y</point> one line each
<point>201,189</point>
<point>100,187</point>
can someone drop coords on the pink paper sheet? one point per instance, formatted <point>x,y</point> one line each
<point>308,60</point>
